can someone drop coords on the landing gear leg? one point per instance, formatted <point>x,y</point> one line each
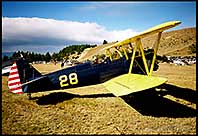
<point>29,96</point>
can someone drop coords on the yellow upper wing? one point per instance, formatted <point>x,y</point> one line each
<point>153,30</point>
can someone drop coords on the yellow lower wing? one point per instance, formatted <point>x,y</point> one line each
<point>130,83</point>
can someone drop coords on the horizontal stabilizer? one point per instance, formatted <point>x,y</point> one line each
<point>130,83</point>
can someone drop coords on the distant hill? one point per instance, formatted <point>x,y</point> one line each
<point>173,43</point>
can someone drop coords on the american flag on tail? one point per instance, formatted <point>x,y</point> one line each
<point>14,82</point>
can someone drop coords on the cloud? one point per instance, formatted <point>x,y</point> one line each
<point>41,31</point>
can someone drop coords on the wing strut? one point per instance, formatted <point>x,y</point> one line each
<point>138,45</point>
<point>155,53</point>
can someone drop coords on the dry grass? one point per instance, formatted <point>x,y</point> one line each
<point>182,76</point>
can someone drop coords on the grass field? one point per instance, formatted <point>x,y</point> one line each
<point>93,110</point>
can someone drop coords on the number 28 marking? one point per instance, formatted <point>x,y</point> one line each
<point>73,79</point>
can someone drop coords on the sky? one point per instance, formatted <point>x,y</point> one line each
<point>49,26</point>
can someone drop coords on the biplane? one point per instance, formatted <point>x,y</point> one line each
<point>130,71</point>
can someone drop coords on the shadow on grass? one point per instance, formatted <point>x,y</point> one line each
<point>152,103</point>
<point>54,98</point>
<point>148,102</point>
<point>183,93</point>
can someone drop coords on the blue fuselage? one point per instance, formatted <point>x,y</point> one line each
<point>77,76</point>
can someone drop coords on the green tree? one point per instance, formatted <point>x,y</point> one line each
<point>47,57</point>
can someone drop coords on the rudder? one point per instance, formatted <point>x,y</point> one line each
<point>14,82</point>
<point>21,72</point>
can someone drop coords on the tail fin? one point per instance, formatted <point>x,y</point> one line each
<point>14,82</point>
<point>20,72</point>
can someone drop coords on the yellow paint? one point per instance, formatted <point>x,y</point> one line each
<point>108,54</point>
<point>125,53</point>
<point>119,53</point>
<point>63,80</point>
<point>130,83</point>
<point>132,58</point>
<point>73,79</point>
<point>153,30</point>
<point>155,53</point>
<point>143,56</point>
